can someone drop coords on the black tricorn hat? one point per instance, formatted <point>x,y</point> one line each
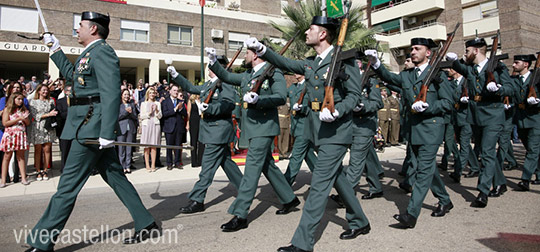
<point>476,42</point>
<point>223,60</point>
<point>96,17</point>
<point>326,22</point>
<point>408,55</point>
<point>525,57</point>
<point>423,41</point>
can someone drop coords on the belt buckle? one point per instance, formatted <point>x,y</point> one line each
<point>521,106</point>
<point>477,98</point>
<point>315,106</point>
<point>293,112</point>
<point>456,105</point>
<point>245,104</point>
<point>202,115</point>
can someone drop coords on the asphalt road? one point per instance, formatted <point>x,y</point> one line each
<point>509,223</point>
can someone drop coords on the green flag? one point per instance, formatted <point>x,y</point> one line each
<point>334,8</point>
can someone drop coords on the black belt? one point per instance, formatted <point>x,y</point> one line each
<point>75,101</point>
<point>221,116</point>
<point>479,98</point>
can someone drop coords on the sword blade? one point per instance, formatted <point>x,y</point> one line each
<point>142,145</point>
<point>45,29</point>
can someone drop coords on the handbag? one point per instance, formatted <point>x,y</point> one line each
<point>50,122</point>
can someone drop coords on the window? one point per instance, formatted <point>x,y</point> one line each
<point>236,40</point>
<point>18,19</point>
<point>76,23</point>
<point>134,31</point>
<point>489,9</point>
<point>481,11</point>
<point>429,20</point>
<point>180,35</point>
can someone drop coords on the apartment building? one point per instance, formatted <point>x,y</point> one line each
<point>397,21</point>
<point>144,33</point>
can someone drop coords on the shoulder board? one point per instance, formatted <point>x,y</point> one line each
<point>311,58</point>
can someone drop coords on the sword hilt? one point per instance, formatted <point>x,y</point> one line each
<point>50,44</point>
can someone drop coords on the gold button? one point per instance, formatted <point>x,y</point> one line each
<point>477,86</point>
<point>316,77</point>
<point>434,121</point>
<point>316,99</point>
<point>316,87</point>
<point>414,96</point>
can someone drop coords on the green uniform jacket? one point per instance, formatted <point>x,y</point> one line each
<point>426,127</point>
<point>95,73</point>
<point>490,110</point>
<point>260,119</point>
<point>216,125</point>
<point>365,120</point>
<point>298,120</point>
<point>462,111</point>
<point>527,115</point>
<point>346,95</point>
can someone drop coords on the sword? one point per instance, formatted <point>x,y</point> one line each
<point>181,147</point>
<point>40,13</point>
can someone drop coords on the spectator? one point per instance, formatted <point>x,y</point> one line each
<point>194,123</point>
<point>151,128</point>
<point>41,108</point>
<point>138,95</point>
<point>15,119</point>
<point>62,108</point>
<point>34,83</point>
<point>174,127</point>
<point>127,118</point>
<point>21,80</point>
<point>384,116</point>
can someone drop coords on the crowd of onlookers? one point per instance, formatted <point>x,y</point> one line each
<point>34,114</point>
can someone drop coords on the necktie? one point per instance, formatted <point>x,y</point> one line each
<point>417,72</point>
<point>174,102</point>
<point>476,70</point>
<point>522,78</point>
<point>318,60</point>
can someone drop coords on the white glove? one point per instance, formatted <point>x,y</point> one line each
<point>297,107</point>
<point>493,87</point>
<point>172,71</point>
<point>253,43</point>
<point>211,53</point>
<point>105,143</point>
<point>327,116</point>
<point>49,38</point>
<point>464,99</point>
<point>420,106</point>
<point>202,106</point>
<point>251,97</point>
<point>373,58</point>
<point>358,107</point>
<point>533,101</point>
<point>451,56</point>
<point>507,106</point>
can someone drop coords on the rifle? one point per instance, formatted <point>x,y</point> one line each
<point>367,74</point>
<point>269,71</point>
<point>534,78</point>
<point>335,71</point>
<point>435,65</point>
<point>218,82</point>
<point>493,63</point>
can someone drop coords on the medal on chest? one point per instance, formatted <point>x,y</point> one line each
<point>83,64</point>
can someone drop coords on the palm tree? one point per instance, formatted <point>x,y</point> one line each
<point>358,36</point>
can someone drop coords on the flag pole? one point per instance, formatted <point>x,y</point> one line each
<point>202,39</point>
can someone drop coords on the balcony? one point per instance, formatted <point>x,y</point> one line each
<point>436,31</point>
<point>483,25</point>
<point>405,8</point>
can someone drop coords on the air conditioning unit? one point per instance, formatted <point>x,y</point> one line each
<point>411,20</point>
<point>216,34</point>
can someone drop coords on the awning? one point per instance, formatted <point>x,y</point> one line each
<point>387,26</point>
<point>378,2</point>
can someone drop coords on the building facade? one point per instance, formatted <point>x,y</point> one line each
<point>143,33</point>
<point>397,21</point>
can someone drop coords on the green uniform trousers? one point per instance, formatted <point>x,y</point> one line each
<point>426,177</point>
<point>215,155</point>
<point>450,147</point>
<point>82,159</point>
<point>302,150</point>
<point>531,141</point>
<point>361,159</point>
<point>506,150</point>
<point>372,155</point>
<point>409,165</point>
<point>328,173</point>
<point>487,138</point>
<point>464,134</point>
<point>259,159</point>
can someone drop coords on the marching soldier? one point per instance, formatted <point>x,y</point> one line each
<point>302,148</point>
<point>284,130</point>
<point>450,145</point>
<point>426,120</point>
<point>216,132</point>
<point>528,119</point>
<point>463,130</point>
<point>96,89</point>
<point>260,126</point>
<point>393,133</point>
<point>329,132</point>
<point>486,108</point>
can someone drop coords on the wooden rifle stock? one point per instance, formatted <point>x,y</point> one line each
<point>269,71</point>
<point>335,67</point>
<point>434,62</point>
<point>492,65</point>
<point>218,82</point>
<point>534,73</point>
